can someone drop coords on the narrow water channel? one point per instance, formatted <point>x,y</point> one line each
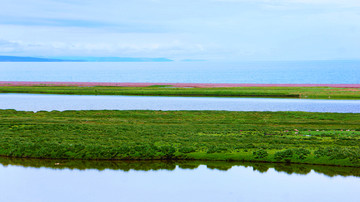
<point>37,102</point>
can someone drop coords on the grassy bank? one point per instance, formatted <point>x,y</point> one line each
<point>299,137</point>
<point>285,92</point>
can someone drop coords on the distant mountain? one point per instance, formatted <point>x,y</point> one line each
<point>115,59</point>
<point>26,59</point>
<point>81,59</point>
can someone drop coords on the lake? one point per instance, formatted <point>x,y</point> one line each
<point>38,102</point>
<point>30,180</point>
<point>312,72</point>
<point>33,180</point>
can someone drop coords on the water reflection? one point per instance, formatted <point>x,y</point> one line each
<point>301,169</point>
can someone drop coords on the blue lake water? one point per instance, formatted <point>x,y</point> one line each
<point>48,180</point>
<point>60,180</point>
<point>314,72</point>
<point>38,102</point>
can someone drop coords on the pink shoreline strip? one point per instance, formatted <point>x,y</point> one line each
<point>196,85</point>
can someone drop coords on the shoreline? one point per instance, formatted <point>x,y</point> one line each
<point>181,85</point>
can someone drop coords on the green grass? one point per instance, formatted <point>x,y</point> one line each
<point>297,137</point>
<point>285,92</point>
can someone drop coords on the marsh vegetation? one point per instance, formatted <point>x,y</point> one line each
<point>281,92</point>
<point>290,137</point>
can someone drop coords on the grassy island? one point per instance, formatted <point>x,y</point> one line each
<point>159,90</point>
<point>296,137</point>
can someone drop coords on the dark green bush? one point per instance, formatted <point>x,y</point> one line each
<point>167,151</point>
<point>187,149</point>
<point>284,155</point>
<point>339,153</point>
<point>259,154</point>
<point>301,153</point>
<point>216,149</point>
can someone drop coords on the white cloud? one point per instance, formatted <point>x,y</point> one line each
<point>62,41</point>
<point>238,29</point>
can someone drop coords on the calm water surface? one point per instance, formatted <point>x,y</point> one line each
<point>51,180</point>
<point>24,180</point>
<point>38,102</point>
<point>314,72</point>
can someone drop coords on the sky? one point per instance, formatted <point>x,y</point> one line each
<point>236,30</point>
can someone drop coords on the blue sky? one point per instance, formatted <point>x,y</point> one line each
<point>188,29</point>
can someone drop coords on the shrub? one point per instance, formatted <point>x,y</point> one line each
<point>216,149</point>
<point>167,151</point>
<point>301,153</point>
<point>284,155</point>
<point>259,154</point>
<point>187,149</point>
<point>338,153</point>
